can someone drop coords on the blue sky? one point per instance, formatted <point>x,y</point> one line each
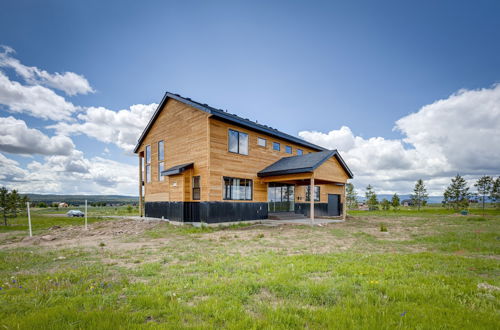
<point>300,66</point>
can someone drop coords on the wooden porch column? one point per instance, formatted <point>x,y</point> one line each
<point>141,214</point>
<point>311,200</point>
<point>344,204</point>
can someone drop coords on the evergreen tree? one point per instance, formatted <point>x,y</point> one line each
<point>495,192</point>
<point>386,205</point>
<point>4,203</point>
<point>371,198</point>
<point>351,196</point>
<point>14,202</point>
<point>457,194</point>
<point>419,194</point>
<point>395,202</point>
<point>484,186</point>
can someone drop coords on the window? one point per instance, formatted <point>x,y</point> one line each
<point>276,146</point>
<point>288,149</point>
<point>237,189</point>
<point>299,152</point>
<point>148,173</point>
<point>261,142</point>
<point>161,167</point>
<point>161,151</point>
<point>196,188</point>
<point>147,167</point>
<point>238,142</point>
<point>316,193</point>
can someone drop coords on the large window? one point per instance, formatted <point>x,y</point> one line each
<point>237,189</point>
<point>316,193</point>
<point>261,142</point>
<point>276,146</point>
<point>161,158</point>
<point>161,167</point>
<point>147,168</point>
<point>299,152</point>
<point>196,188</point>
<point>238,142</point>
<point>288,149</point>
<point>161,151</point>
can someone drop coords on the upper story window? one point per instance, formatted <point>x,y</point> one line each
<point>161,168</point>
<point>261,142</point>
<point>276,146</point>
<point>161,150</point>
<point>316,193</point>
<point>299,152</point>
<point>147,167</point>
<point>288,149</point>
<point>237,189</point>
<point>196,188</point>
<point>238,142</point>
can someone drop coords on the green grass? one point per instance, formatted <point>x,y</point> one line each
<point>237,277</point>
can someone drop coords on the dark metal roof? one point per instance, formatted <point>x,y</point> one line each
<point>302,164</point>
<point>225,116</point>
<point>178,169</point>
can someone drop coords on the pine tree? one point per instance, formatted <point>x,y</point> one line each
<point>4,203</point>
<point>419,194</point>
<point>395,201</point>
<point>457,194</point>
<point>495,192</point>
<point>351,196</point>
<point>484,186</point>
<point>371,198</point>
<point>14,202</point>
<point>386,205</point>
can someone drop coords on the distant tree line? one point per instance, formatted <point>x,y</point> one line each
<point>456,196</point>
<point>11,203</point>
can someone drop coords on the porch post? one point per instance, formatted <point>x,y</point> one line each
<point>344,205</point>
<point>140,186</point>
<point>311,200</point>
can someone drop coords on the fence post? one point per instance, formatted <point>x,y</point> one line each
<point>86,228</point>
<point>29,218</point>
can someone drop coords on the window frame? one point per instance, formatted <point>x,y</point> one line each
<point>276,144</point>
<point>300,152</point>
<point>261,139</point>
<point>162,149</point>
<point>161,167</point>
<point>288,148</point>
<point>231,185</point>
<point>237,142</point>
<point>317,196</point>
<point>147,169</point>
<point>147,163</point>
<point>193,188</point>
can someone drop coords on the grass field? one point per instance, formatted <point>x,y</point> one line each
<point>431,269</point>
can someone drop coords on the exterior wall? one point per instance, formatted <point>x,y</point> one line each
<point>184,131</point>
<point>225,163</point>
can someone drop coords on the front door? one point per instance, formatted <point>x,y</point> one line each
<point>281,197</point>
<point>333,204</point>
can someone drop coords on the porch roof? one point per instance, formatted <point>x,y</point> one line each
<point>178,169</point>
<point>302,164</point>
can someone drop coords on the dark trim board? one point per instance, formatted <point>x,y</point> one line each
<point>208,212</point>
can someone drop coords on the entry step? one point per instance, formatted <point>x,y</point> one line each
<point>285,216</point>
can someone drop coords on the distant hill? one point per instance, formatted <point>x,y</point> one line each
<point>431,200</point>
<point>80,199</point>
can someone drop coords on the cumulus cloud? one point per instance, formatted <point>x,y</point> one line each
<point>70,174</point>
<point>37,101</point>
<point>459,134</point>
<point>17,138</point>
<point>68,82</point>
<point>122,128</point>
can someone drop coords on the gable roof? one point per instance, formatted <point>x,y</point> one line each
<point>303,164</point>
<point>227,117</point>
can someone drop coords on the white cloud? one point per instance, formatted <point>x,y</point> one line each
<point>460,134</point>
<point>37,101</point>
<point>17,138</point>
<point>71,174</point>
<point>68,82</point>
<point>122,128</point>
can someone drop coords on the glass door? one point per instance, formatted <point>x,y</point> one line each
<point>281,197</point>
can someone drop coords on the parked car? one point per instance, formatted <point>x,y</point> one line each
<point>75,213</point>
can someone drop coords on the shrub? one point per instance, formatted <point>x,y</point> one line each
<point>383,227</point>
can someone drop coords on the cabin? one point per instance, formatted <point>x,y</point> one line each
<point>202,164</point>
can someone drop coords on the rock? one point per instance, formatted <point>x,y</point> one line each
<point>488,287</point>
<point>48,238</point>
<point>54,227</point>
